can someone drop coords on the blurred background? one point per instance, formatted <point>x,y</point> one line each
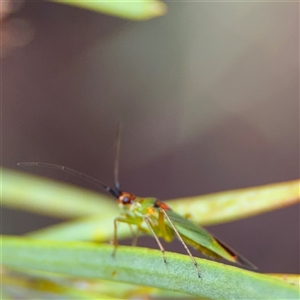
<point>208,96</point>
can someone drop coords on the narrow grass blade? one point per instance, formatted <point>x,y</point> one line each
<point>60,200</point>
<point>206,210</point>
<point>93,228</point>
<point>38,285</point>
<point>29,287</point>
<point>290,278</point>
<point>143,267</point>
<point>237,204</point>
<point>133,10</point>
<point>48,197</point>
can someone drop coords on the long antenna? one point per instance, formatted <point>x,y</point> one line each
<point>115,193</point>
<point>117,158</point>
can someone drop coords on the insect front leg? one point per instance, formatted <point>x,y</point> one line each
<point>115,238</point>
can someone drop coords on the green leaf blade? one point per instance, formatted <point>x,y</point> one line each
<point>51,198</point>
<point>93,228</point>
<point>133,10</point>
<point>232,205</point>
<point>144,267</point>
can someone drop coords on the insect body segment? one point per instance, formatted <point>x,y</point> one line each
<point>163,222</point>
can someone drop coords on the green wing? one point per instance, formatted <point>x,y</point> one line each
<point>203,241</point>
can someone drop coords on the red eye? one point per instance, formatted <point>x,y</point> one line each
<point>126,198</point>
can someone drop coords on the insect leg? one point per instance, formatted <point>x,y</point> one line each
<point>115,238</point>
<point>162,249</point>
<point>134,234</point>
<point>182,241</point>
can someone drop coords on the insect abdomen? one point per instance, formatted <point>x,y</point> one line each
<point>201,249</point>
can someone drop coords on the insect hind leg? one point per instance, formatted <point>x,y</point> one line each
<point>183,243</point>
<point>135,235</point>
<point>162,249</point>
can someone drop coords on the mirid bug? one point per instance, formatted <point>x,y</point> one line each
<point>154,217</point>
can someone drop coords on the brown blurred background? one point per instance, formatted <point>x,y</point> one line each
<point>208,96</point>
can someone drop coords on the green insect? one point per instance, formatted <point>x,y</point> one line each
<point>154,217</point>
